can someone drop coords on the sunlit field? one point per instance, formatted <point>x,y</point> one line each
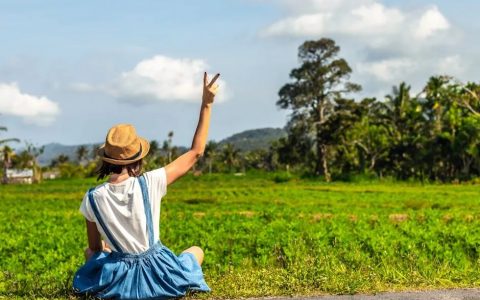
<point>263,235</point>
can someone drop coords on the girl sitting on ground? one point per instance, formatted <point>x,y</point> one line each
<point>125,258</point>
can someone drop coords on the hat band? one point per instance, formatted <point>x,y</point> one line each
<point>129,158</point>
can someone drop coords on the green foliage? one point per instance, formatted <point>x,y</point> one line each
<point>69,170</point>
<point>282,177</point>
<point>262,238</point>
<point>431,136</point>
<point>320,81</point>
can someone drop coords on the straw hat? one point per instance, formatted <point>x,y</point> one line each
<point>123,146</point>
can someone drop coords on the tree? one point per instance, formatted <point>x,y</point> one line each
<point>405,121</point>
<point>370,136</point>
<point>230,156</point>
<point>82,154</point>
<point>437,105</point>
<point>154,159</point>
<point>210,153</point>
<point>28,158</point>
<point>154,148</point>
<point>5,141</point>
<point>94,151</point>
<point>59,160</point>
<point>169,143</point>
<point>469,96</point>
<point>360,139</point>
<point>7,152</point>
<point>321,79</point>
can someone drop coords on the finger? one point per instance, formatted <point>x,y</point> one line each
<point>205,79</point>
<point>214,79</point>
<point>214,91</point>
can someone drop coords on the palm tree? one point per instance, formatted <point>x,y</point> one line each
<point>437,102</point>
<point>406,121</point>
<point>397,106</point>
<point>34,152</point>
<point>170,137</point>
<point>210,153</point>
<point>4,141</point>
<point>230,156</point>
<point>60,159</point>
<point>469,96</point>
<point>93,151</point>
<point>82,153</point>
<point>154,148</point>
<point>7,153</point>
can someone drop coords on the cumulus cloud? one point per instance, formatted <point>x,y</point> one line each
<point>33,109</point>
<point>378,76</point>
<point>358,19</point>
<point>387,44</point>
<point>431,21</point>
<point>159,78</point>
<point>367,19</point>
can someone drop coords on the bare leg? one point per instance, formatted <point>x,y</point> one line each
<point>197,252</point>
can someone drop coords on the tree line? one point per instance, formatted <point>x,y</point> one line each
<point>433,134</point>
<point>84,161</point>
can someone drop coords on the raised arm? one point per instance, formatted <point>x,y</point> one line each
<point>185,162</point>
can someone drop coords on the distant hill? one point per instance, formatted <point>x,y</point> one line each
<point>245,141</point>
<point>254,139</point>
<point>53,150</point>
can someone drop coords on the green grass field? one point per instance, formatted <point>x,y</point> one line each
<point>262,238</point>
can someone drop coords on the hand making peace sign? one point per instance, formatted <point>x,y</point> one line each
<point>209,89</point>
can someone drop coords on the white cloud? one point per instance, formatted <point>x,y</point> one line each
<point>159,78</point>
<point>374,18</point>
<point>365,19</point>
<point>384,43</point>
<point>431,22</point>
<point>33,109</point>
<point>292,6</point>
<point>308,24</point>
<point>357,19</point>
<point>368,22</point>
<point>389,70</point>
<point>378,76</point>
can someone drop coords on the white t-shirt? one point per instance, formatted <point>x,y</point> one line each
<point>121,208</point>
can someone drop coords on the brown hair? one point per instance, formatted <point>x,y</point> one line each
<point>105,169</point>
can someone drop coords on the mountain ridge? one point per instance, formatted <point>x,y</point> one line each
<point>247,140</point>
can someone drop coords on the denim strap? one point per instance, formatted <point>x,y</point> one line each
<point>100,220</point>
<point>148,211</point>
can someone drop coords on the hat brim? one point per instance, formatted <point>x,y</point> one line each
<point>145,148</point>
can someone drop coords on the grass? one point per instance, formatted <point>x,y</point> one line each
<point>262,236</point>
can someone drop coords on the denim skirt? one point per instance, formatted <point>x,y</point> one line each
<point>154,274</point>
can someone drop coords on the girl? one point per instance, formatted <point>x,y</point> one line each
<point>131,262</point>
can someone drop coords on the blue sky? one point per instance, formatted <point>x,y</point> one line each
<point>70,70</point>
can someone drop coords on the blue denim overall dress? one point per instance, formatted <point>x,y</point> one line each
<point>156,273</point>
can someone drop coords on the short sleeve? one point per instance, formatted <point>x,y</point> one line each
<point>86,209</point>
<point>157,180</point>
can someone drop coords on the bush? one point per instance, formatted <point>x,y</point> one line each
<point>282,177</point>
